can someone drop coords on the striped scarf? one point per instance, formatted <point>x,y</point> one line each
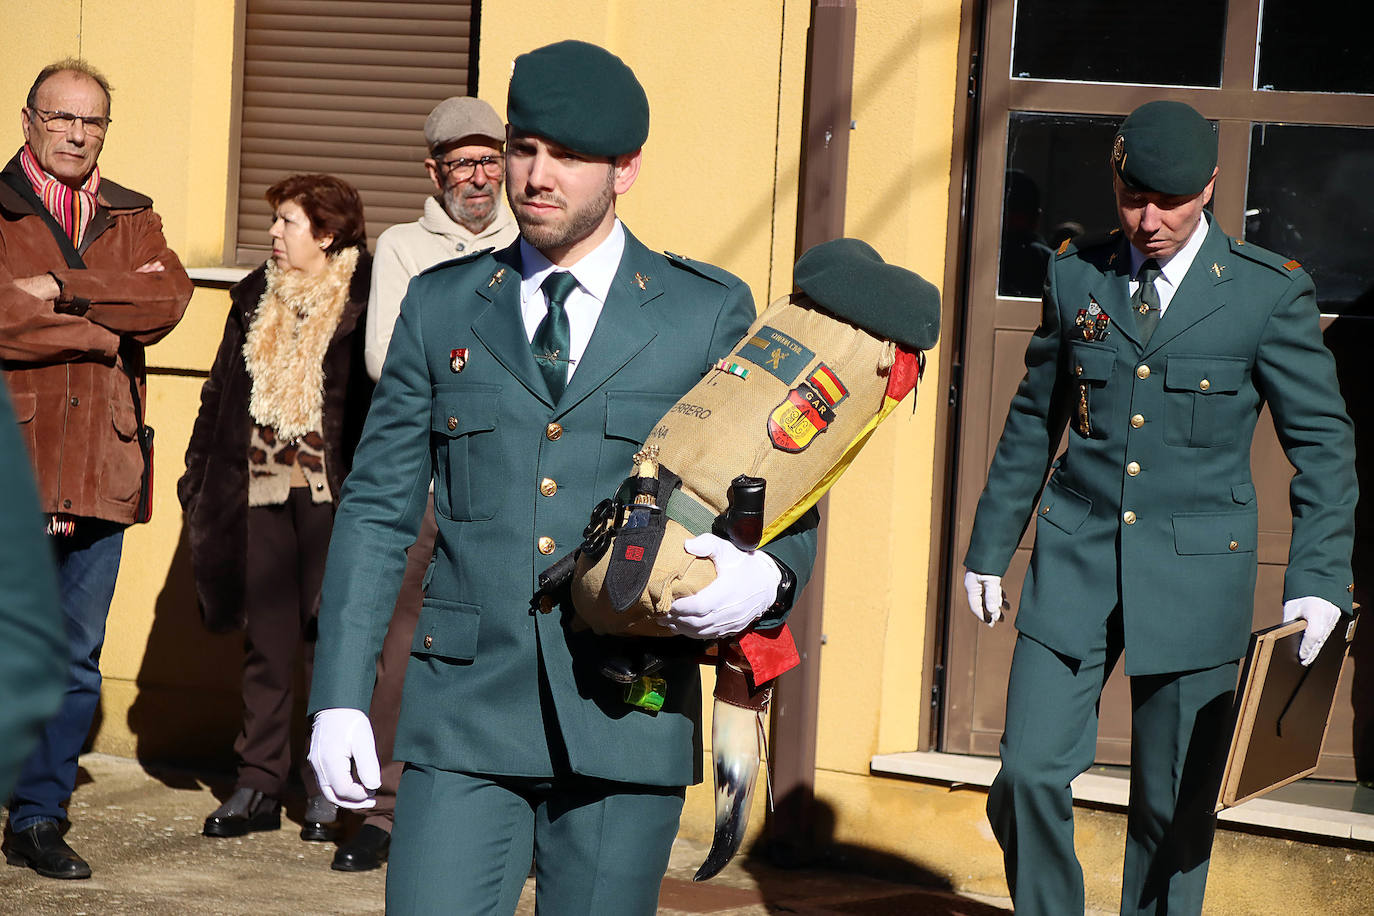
<point>72,208</point>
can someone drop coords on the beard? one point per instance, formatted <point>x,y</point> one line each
<point>470,207</point>
<point>566,227</point>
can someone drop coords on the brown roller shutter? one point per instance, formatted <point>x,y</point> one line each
<point>343,87</point>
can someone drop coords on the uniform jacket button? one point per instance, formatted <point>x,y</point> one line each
<point>1232,546</point>
<point>1133,468</point>
<point>1204,384</point>
<point>553,432</point>
<point>546,545</point>
<point>1128,517</point>
<point>452,423</point>
<point>548,486</point>
<point>1142,372</point>
<point>429,642</point>
<point>1137,421</point>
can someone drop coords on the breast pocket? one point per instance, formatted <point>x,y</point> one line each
<point>467,451</point>
<point>1094,396</point>
<point>630,417</point>
<point>1204,404</point>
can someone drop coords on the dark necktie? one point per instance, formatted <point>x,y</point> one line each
<point>1145,300</point>
<point>550,343</point>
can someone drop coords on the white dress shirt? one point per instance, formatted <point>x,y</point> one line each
<point>594,274</point>
<point>1172,271</point>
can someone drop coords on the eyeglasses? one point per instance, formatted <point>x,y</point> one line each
<point>59,122</point>
<point>463,169</point>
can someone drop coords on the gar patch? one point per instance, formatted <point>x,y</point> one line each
<point>806,412</point>
<point>776,353</point>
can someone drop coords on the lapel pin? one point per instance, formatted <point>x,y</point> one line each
<point>496,279</point>
<point>1217,269</point>
<point>458,358</point>
<point>641,280</point>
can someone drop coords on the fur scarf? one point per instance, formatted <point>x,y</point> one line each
<point>286,342</point>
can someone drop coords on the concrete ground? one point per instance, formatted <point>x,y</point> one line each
<point>140,830</point>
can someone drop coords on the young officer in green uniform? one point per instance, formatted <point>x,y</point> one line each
<point>1158,346</point>
<point>522,382</point>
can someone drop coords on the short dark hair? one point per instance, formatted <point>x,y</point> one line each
<point>332,204</point>
<point>69,65</point>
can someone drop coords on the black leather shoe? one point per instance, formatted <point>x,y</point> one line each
<point>366,851</point>
<point>321,820</point>
<point>243,812</point>
<point>42,848</point>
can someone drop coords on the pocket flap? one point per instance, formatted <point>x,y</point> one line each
<point>1215,532</point>
<point>124,419</point>
<point>1064,508</point>
<point>446,629</point>
<point>631,415</point>
<point>25,406</point>
<point>1205,374</point>
<point>459,411</point>
<point>1092,362</point>
<point>1243,493</point>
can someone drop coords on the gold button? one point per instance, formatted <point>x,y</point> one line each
<point>1077,370</point>
<point>1044,510</point>
<point>1133,468</point>
<point>1232,546</point>
<point>548,486</point>
<point>1204,384</point>
<point>1137,421</point>
<point>452,423</point>
<point>553,432</point>
<point>546,545</point>
<point>429,642</point>
<point>1142,372</point>
<point>1128,517</point>
<point>1350,587</point>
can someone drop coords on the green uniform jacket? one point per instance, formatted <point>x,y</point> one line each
<point>489,437</point>
<point>1152,507</point>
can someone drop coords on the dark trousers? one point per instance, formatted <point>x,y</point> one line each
<point>1178,734</point>
<point>87,566</point>
<point>287,546</point>
<point>391,668</point>
<point>463,844</point>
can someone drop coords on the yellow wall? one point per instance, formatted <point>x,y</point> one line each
<point>725,82</point>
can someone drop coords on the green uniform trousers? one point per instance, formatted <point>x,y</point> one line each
<point>1178,736</point>
<point>462,844</point>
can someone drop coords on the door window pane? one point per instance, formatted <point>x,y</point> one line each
<point>1308,198</point>
<point>1058,185</point>
<point>1167,43</point>
<point>1315,46</point>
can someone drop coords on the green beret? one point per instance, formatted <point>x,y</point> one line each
<point>848,279</point>
<point>1165,147</point>
<point>579,96</point>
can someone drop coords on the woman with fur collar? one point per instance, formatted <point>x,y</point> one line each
<point>279,418</point>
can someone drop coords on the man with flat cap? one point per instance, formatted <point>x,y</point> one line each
<point>522,382</point>
<point>1158,346</point>
<point>466,214</point>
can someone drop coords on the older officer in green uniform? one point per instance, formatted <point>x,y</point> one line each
<point>1158,346</point>
<point>522,382</point>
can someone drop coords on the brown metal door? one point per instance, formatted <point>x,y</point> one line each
<point>1045,123</point>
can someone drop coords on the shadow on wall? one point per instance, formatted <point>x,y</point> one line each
<point>188,709</point>
<point>1351,340</point>
<point>784,872</point>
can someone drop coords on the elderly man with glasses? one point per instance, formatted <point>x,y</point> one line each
<point>466,214</point>
<point>86,282</point>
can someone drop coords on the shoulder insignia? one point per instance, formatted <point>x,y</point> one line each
<point>1260,255</point>
<point>702,269</point>
<point>1291,265</point>
<point>454,262</point>
<point>1064,246</point>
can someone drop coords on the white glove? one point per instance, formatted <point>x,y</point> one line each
<point>985,597</point>
<point>341,742</point>
<point>1321,616</point>
<point>746,585</point>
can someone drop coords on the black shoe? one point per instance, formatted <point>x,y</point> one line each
<point>366,851</point>
<point>321,820</point>
<point>243,812</point>
<point>42,848</point>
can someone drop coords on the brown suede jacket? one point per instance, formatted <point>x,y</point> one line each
<point>214,489</point>
<point>70,374</point>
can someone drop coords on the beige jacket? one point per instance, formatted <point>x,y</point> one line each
<point>405,250</point>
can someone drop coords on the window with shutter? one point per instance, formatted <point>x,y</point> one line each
<point>344,87</point>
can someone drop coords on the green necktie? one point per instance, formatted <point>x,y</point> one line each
<point>550,343</point>
<point>1145,300</point>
